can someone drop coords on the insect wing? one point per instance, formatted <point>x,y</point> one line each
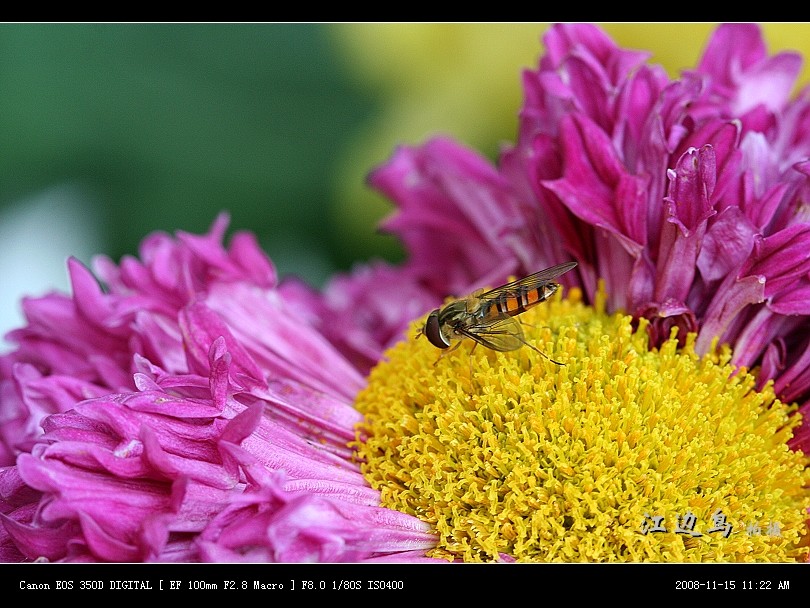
<point>502,334</point>
<point>533,281</point>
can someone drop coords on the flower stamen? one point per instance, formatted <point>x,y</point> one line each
<point>541,462</point>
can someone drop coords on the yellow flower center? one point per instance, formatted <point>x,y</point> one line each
<point>621,454</point>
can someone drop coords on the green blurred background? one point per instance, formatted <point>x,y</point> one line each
<point>112,131</point>
<point>163,126</point>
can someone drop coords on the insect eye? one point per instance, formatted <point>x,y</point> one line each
<point>433,332</point>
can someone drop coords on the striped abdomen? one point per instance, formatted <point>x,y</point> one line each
<point>516,301</point>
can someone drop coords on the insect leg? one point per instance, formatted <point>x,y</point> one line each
<point>534,348</point>
<point>471,360</point>
<point>537,350</point>
<point>446,352</point>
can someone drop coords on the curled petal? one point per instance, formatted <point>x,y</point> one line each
<point>726,244</point>
<point>736,58</point>
<point>731,298</point>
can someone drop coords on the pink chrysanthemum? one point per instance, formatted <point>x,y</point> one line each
<point>189,402</point>
<point>686,197</point>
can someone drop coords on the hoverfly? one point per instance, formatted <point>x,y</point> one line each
<point>488,317</point>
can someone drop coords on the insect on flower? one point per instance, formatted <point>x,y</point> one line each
<point>488,317</point>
